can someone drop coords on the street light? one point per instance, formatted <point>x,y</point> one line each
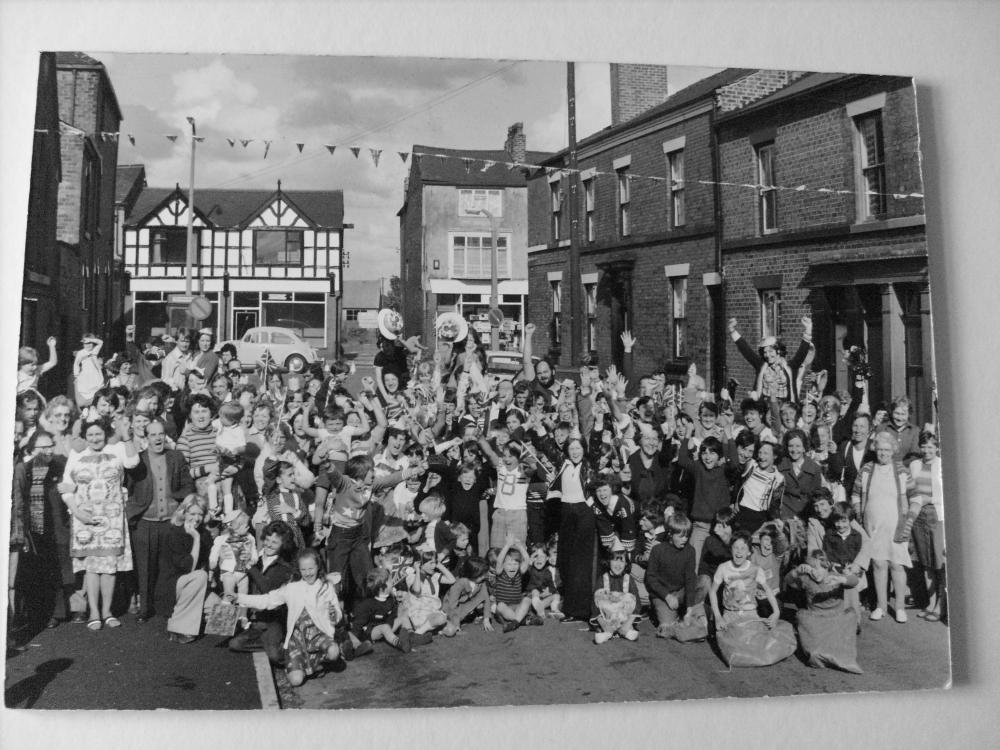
<point>494,297</point>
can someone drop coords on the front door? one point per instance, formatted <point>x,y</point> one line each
<point>244,320</point>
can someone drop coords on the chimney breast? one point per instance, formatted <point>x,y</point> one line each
<point>636,88</point>
<point>516,143</point>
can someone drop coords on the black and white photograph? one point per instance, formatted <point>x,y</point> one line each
<point>353,380</point>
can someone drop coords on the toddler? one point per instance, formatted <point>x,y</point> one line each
<point>230,444</point>
<point>467,595</point>
<point>617,600</point>
<point>541,584</point>
<point>233,552</point>
<point>28,369</point>
<point>376,618</point>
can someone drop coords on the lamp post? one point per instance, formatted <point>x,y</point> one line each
<point>189,267</point>
<point>494,297</point>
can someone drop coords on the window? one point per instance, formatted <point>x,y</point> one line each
<point>169,246</point>
<point>277,247</point>
<point>556,286</point>
<point>770,313</point>
<point>555,192</point>
<point>474,200</point>
<point>590,299</point>
<point>871,165</point>
<point>281,338</point>
<point>675,167</point>
<point>588,202</point>
<point>352,314</point>
<point>678,297</point>
<point>624,200</point>
<point>768,193</point>
<point>470,256</point>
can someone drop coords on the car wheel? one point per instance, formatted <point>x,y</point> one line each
<point>295,363</point>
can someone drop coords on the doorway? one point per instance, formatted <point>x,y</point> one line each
<point>243,321</point>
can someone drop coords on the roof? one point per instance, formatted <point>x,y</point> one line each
<point>126,177</point>
<point>232,208</point>
<point>452,171</point>
<point>80,60</point>
<point>687,95</point>
<point>808,82</point>
<point>362,294</point>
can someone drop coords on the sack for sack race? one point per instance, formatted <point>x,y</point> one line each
<point>691,629</point>
<point>749,642</point>
<point>221,619</point>
<point>830,639</point>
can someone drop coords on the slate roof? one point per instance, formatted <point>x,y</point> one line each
<point>452,171</point>
<point>806,83</point>
<point>125,179</point>
<point>325,208</point>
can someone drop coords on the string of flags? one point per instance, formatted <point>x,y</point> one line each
<point>530,170</point>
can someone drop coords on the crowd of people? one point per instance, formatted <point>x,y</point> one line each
<point>173,478</point>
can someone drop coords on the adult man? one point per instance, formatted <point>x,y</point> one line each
<point>156,486</point>
<point>176,364</point>
<point>542,375</point>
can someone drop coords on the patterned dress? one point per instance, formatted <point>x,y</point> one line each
<point>102,546</point>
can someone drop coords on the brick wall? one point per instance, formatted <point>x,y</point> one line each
<point>636,88</point>
<point>539,303</point>
<point>411,254</point>
<point>755,86</point>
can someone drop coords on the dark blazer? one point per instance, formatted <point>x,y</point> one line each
<point>140,483</point>
<point>175,561</point>
<point>57,519</point>
<point>277,575</point>
<point>842,464</point>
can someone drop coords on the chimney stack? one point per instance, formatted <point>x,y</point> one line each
<point>636,88</point>
<point>516,143</point>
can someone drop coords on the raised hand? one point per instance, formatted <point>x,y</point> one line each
<point>529,330</point>
<point>628,341</point>
<point>731,325</point>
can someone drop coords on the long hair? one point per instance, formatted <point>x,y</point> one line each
<point>177,519</point>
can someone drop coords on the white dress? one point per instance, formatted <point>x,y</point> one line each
<point>882,516</point>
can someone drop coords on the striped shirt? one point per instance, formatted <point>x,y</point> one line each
<point>197,447</point>
<point>760,488</point>
<point>508,589</point>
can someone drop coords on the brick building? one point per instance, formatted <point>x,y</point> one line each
<point>445,250</point>
<point>849,247</point>
<point>263,258</point>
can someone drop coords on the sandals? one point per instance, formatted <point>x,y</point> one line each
<point>930,616</point>
<point>95,625</point>
<point>112,622</point>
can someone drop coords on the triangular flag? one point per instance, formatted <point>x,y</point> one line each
<point>199,138</point>
<point>131,139</point>
<point>376,153</point>
<point>231,141</point>
<point>916,195</point>
<point>246,141</point>
<point>800,188</point>
<point>330,148</point>
<point>267,147</point>
<point>355,150</point>
<point>403,155</point>
<point>468,164</point>
<point>486,165</point>
<point>300,146</point>
<point>823,190</point>
<point>172,138</point>
<point>512,165</point>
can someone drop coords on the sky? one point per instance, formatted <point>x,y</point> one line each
<point>383,103</point>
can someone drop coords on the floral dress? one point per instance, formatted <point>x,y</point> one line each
<point>102,546</point>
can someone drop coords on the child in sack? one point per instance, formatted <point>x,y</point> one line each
<point>616,599</point>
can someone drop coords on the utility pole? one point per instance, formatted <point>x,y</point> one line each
<point>189,268</point>
<point>496,318</point>
<point>575,290</point>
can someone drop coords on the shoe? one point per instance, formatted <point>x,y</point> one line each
<point>534,620</point>
<point>112,622</point>
<point>422,639</point>
<point>932,617</point>
<point>555,614</point>
<point>876,614</point>
<point>664,631</point>
<point>632,635</point>
<point>79,617</point>
<point>133,608</point>
<point>570,619</point>
<point>450,630</point>
<point>595,626</point>
<point>182,639</point>
<point>509,627</point>
<point>405,642</point>
<point>365,647</point>
<point>602,637</point>
<point>94,625</point>
<point>901,615</point>
<point>347,650</point>
<point>52,623</point>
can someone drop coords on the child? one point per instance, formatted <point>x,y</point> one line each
<point>230,444</point>
<point>463,546</point>
<point>375,618</point>
<point>711,488</point>
<point>759,495</point>
<point>616,599</point>
<point>826,629</point>
<point>651,532</point>
<point>670,575</point>
<point>764,557</point>
<point>467,595</point>
<point>313,611</point>
<point>616,522</point>
<point>928,527</point>
<point>285,502</point>
<point>512,606</point>
<point>846,547</point>
<point>715,553</point>
<point>423,596</point>
<point>233,553</point>
<point>437,535</point>
<point>88,370</point>
<point>541,583</point>
<point>28,369</point>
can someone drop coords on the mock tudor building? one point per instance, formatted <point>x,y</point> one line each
<point>263,258</point>
<point>834,228</point>
<point>445,250</point>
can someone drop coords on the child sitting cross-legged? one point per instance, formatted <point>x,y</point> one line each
<point>541,583</point>
<point>513,606</point>
<point>423,598</point>
<point>233,552</point>
<point>468,595</point>
<point>375,618</point>
<point>670,575</point>
<point>616,599</point>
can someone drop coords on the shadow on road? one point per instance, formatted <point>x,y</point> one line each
<point>30,689</point>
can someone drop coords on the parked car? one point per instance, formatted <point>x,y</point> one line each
<point>506,365</point>
<point>286,347</point>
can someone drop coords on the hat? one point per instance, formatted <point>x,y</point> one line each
<point>388,535</point>
<point>767,341</point>
<point>390,323</point>
<point>451,327</point>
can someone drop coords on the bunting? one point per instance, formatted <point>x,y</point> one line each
<point>172,138</point>
<point>403,155</point>
<point>198,138</point>
<point>355,150</point>
<point>376,153</point>
<point>267,147</point>
<point>300,146</point>
<point>231,142</point>
<point>330,148</point>
<point>246,142</point>
<point>487,164</point>
<point>468,165</point>
<point>131,139</point>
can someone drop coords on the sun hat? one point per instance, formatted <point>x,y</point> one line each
<point>390,323</point>
<point>451,327</point>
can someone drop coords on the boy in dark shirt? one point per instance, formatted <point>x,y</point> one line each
<point>670,574</point>
<point>843,547</point>
<point>711,487</point>
<point>375,618</point>
<point>715,552</point>
<point>540,583</point>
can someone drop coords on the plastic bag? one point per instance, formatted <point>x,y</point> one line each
<point>749,642</point>
<point>830,639</point>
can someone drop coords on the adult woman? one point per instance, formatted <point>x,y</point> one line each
<point>221,387</point>
<point>92,488</point>
<point>905,433</point>
<point>802,477</point>
<point>183,570</point>
<point>261,417</point>
<point>47,568</point>
<point>928,531</point>
<point>880,499</point>
<point>59,415</point>
<point>205,359</point>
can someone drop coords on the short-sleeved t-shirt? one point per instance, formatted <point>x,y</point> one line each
<point>740,592</point>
